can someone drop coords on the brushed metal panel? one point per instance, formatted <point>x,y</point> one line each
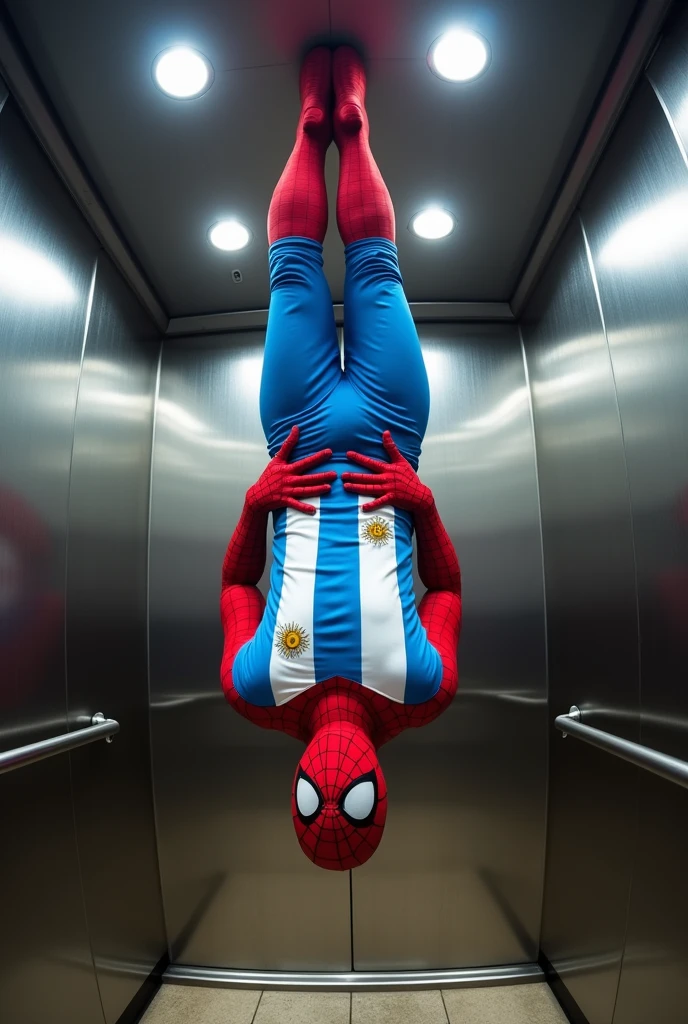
<point>591,626</point>
<point>46,268</point>
<point>636,221</point>
<point>668,74</point>
<point>457,880</point>
<point>107,661</point>
<point>237,890</point>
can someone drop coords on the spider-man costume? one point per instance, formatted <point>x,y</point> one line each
<point>339,657</point>
<point>30,611</point>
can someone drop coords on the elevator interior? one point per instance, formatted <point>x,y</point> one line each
<point>554,324</point>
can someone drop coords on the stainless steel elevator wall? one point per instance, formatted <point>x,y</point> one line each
<point>237,890</point>
<point>45,959</point>
<point>78,867</point>
<point>636,214</point>
<point>457,881</point>
<point>458,877</point>
<point>107,657</point>
<point>591,626</point>
<point>610,393</point>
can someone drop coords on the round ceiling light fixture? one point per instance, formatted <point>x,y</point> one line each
<point>229,235</point>
<point>182,72</point>
<point>459,55</point>
<point>432,223</point>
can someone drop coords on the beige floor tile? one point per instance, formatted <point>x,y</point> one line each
<point>503,1004</point>
<point>303,1008</point>
<point>191,1004</point>
<point>397,1008</point>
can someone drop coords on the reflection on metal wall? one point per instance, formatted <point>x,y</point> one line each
<point>47,263</point>
<point>591,626</point>
<point>457,880</point>
<point>458,877</point>
<point>636,215</point>
<point>635,220</point>
<point>106,638</point>
<point>237,890</point>
<point>75,442</point>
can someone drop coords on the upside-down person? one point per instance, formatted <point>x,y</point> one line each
<point>339,656</point>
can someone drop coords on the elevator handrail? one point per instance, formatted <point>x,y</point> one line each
<point>101,728</point>
<point>667,767</point>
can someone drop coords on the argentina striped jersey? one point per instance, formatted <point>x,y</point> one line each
<point>341,603</point>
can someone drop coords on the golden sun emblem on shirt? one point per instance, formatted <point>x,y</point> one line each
<point>377,531</point>
<point>292,640</point>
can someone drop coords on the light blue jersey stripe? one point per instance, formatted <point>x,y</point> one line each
<point>353,577</point>
<point>337,612</point>
<point>251,671</point>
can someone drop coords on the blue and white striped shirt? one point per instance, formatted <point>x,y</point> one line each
<point>341,603</point>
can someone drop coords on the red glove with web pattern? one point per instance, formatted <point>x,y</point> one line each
<point>281,483</point>
<point>396,483</point>
<point>389,483</point>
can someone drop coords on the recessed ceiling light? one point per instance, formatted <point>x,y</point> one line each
<point>459,55</point>
<point>229,235</point>
<point>432,223</point>
<point>182,72</point>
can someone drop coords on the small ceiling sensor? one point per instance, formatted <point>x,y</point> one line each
<point>432,223</point>
<point>182,72</point>
<point>459,55</point>
<point>229,235</point>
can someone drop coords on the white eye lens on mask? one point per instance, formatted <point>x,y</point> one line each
<point>359,801</point>
<point>308,799</point>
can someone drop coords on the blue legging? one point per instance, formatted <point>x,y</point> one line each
<point>384,385</point>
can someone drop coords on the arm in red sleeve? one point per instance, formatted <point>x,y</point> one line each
<point>281,484</point>
<point>440,609</point>
<point>438,566</point>
<point>241,603</point>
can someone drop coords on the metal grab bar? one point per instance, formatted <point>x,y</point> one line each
<point>670,768</point>
<point>101,728</point>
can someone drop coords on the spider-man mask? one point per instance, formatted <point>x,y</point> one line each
<point>339,798</point>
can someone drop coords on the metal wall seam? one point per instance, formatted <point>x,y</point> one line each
<point>667,114</point>
<point>148,659</point>
<point>544,609</point>
<point>87,323</point>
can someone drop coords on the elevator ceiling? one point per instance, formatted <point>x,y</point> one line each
<point>492,151</point>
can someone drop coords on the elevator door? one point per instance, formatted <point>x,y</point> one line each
<point>457,879</point>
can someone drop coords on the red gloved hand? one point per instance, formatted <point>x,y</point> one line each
<point>390,483</point>
<point>281,482</point>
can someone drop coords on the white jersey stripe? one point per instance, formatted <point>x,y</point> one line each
<point>291,658</point>
<point>383,643</point>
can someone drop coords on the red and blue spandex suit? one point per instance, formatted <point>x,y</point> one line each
<point>339,656</point>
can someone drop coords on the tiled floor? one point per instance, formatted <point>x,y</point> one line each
<point>508,1004</point>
